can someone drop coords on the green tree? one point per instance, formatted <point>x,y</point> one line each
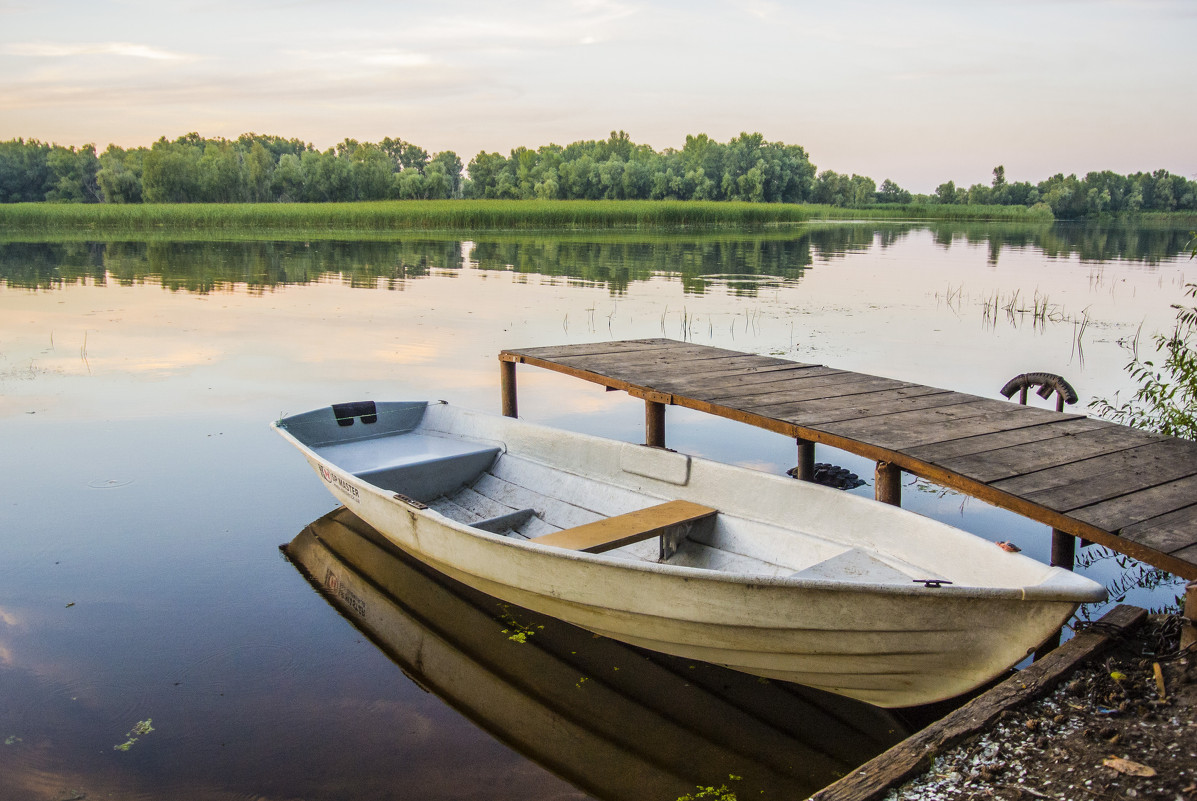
<point>220,177</point>
<point>947,194</point>
<point>373,173</point>
<point>25,174</point>
<point>286,182</point>
<point>119,176</point>
<point>259,172</point>
<point>890,192</point>
<point>73,175</point>
<point>170,172</point>
<point>447,163</point>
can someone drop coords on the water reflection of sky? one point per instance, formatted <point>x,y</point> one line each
<point>145,496</point>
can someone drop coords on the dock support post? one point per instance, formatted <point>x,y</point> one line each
<point>806,460</point>
<point>887,483</point>
<point>1188,634</point>
<point>1063,555</point>
<point>654,424</point>
<point>507,385</point>
<point>1063,550</point>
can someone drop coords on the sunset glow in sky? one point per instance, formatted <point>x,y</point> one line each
<point>918,92</point>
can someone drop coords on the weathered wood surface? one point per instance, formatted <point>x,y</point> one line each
<point>1130,490</point>
<point>619,530</point>
<point>914,755</point>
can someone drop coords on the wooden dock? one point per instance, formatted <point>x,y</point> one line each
<point>1129,490</point>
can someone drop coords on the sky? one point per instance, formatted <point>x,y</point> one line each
<point>919,92</point>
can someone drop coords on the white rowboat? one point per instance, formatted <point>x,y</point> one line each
<point>764,574</point>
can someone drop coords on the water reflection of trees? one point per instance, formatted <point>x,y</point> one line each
<point>742,263</point>
<point>1094,241</point>
<point>211,266</point>
<point>616,264</point>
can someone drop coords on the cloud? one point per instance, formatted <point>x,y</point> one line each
<point>377,57</point>
<point>69,50</point>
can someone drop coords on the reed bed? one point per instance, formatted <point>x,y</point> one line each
<point>448,215</point>
<point>399,215</point>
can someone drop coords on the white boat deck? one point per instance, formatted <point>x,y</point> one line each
<point>506,489</point>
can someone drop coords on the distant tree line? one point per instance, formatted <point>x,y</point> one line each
<point>249,169</point>
<point>1071,197</point>
<point>259,169</point>
<point>747,169</point>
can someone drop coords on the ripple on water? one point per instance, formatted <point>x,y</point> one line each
<point>109,483</point>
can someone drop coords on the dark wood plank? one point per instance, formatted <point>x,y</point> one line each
<point>799,389</point>
<point>1004,439</point>
<point>899,431</point>
<point>649,371</point>
<point>870,404</point>
<point>1127,510</point>
<point>1021,459</point>
<point>873,780</point>
<point>757,367</point>
<point>1167,533</point>
<point>1186,556</point>
<point>685,381</point>
<point>1101,478</point>
<point>688,376</point>
<point>627,346</point>
<point>658,356</point>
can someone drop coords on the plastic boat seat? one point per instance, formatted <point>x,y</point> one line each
<point>417,465</point>
<point>670,521</point>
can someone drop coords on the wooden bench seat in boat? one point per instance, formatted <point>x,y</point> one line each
<point>670,521</point>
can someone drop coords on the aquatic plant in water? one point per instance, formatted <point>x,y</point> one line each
<point>142,728</point>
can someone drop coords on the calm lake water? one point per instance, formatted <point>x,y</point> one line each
<point>146,499</point>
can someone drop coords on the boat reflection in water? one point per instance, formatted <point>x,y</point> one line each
<point>616,721</point>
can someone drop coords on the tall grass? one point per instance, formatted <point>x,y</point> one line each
<point>405,215</point>
<point>449,215</point>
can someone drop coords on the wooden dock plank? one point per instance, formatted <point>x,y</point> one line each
<point>1125,511</point>
<point>863,405</point>
<point>691,377</point>
<point>941,451</point>
<point>1020,459</point>
<point>1089,481</point>
<point>1167,533</point>
<point>907,429</point>
<point>750,368</point>
<point>626,346</point>
<point>668,356</point>
<point>686,381</point>
<point>795,389</point>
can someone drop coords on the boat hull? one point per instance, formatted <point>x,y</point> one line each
<point>887,643</point>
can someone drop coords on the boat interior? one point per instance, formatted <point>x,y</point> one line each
<point>483,486</point>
